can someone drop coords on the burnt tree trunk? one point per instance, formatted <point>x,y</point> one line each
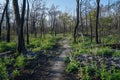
<point>64,28</point>
<point>34,28</point>
<point>20,24</point>
<point>1,21</point>
<point>27,39</point>
<point>75,29</point>
<point>97,21</point>
<point>82,30</point>
<point>91,29</point>
<point>8,22</point>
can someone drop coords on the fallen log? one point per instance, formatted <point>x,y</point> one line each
<point>7,53</point>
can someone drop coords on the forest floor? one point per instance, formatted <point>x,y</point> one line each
<point>49,65</point>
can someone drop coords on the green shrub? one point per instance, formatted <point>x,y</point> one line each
<point>43,44</point>
<point>19,61</point>
<point>72,67</point>
<point>3,70</point>
<point>105,51</point>
<point>111,39</point>
<point>36,49</point>
<point>86,76</point>
<point>34,42</point>
<point>49,43</point>
<point>6,60</point>
<point>116,53</point>
<point>12,45</point>
<point>116,76</point>
<point>79,51</point>
<point>15,73</point>
<point>4,46</point>
<point>94,73</point>
<point>67,59</point>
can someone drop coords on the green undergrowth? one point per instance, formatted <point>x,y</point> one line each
<point>16,64</point>
<point>73,66</point>
<point>37,44</point>
<point>92,71</point>
<point>19,62</point>
<point>5,46</point>
<point>88,47</point>
<point>110,39</point>
<point>67,59</point>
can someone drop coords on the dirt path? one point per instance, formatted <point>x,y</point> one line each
<point>58,68</point>
<point>50,67</point>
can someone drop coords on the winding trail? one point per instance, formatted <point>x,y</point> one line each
<point>58,68</point>
<point>49,66</point>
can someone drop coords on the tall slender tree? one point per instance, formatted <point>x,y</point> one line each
<point>91,28</point>
<point>77,23</point>
<point>81,19</point>
<point>1,21</point>
<point>27,22</point>
<point>97,20</point>
<point>8,22</point>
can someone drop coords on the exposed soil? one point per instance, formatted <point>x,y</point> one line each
<point>49,65</point>
<point>109,62</point>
